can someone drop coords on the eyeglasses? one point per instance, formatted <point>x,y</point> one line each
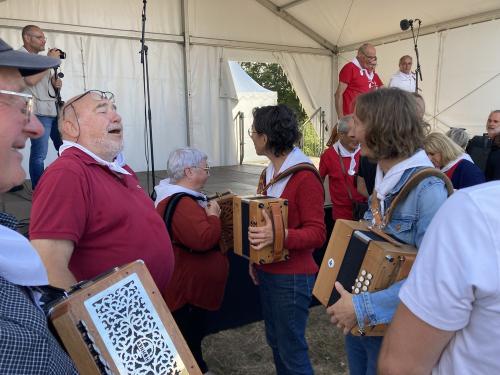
<point>206,169</point>
<point>96,95</point>
<point>39,37</point>
<point>371,58</point>
<point>250,132</point>
<point>28,102</point>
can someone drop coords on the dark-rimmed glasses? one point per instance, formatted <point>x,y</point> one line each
<point>101,95</point>
<point>251,132</point>
<point>28,102</point>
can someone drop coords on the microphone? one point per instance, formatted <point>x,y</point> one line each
<point>405,24</point>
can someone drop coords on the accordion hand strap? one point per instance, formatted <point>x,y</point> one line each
<point>278,229</point>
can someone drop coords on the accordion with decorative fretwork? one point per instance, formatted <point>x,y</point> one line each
<point>362,260</point>
<point>225,201</point>
<point>118,323</point>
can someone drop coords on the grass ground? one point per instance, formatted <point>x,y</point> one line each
<point>244,351</point>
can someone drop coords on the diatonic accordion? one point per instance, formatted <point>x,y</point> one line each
<point>247,211</point>
<point>361,261</point>
<point>118,323</point>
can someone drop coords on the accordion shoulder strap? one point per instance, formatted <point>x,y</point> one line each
<point>170,209</point>
<point>262,187</point>
<point>412,183</point>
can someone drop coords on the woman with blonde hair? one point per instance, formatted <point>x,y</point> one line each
<point>447,156</point>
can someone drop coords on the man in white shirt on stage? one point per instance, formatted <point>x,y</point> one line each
<point>405,78</point>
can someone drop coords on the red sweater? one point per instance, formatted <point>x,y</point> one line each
<point>199,278</point>
<point>329,165</point>
<point>306,224</point>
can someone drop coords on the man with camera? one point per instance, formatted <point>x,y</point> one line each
<point>45,88</point>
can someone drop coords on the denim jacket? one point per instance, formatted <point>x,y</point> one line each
<point>408,224</point>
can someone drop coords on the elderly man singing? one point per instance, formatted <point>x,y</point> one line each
<point>89,212</point>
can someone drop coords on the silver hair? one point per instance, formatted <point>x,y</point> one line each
<point>183,158</point>
<point>343,124</point>
<point>459,136</point>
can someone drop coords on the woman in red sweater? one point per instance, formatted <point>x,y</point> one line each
<point>286,287</point>
<point>200,270</point>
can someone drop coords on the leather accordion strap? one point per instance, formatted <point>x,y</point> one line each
<point>414,180</point>
<point>278,229</point>
<point>262,187</point>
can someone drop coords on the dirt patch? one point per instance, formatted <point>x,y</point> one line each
<point>244,351</point>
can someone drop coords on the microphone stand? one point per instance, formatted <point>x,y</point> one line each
<point>147,98</point>
<point>418,70</point>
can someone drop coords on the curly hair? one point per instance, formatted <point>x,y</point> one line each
<point>393,128</point>
<point>279,124</point>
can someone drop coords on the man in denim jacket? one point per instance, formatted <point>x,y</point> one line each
<point>390,132</point>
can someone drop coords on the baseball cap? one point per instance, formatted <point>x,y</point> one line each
<point>27,63</point>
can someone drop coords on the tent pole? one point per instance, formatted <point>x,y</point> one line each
<point>187,70</point>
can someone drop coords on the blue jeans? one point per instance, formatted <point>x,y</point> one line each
<point>40,146</point>
<point>285,305</point>
<point>362,354</point>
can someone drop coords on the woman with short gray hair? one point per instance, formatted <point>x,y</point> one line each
<point>201,270</point>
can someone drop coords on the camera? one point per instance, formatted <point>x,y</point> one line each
<point>62,54</point>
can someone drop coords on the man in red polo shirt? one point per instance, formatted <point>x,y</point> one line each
<point>356,77</point>
<point>89,212</point>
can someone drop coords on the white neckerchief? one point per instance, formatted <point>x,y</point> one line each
<point>19,262</point>
<point>115,166</point>
<point>450,165</point>
<point>345,153</point>
<point>165,189</point>
<point>385,183</point>
<point>363,71</point>
<point>296,156</point>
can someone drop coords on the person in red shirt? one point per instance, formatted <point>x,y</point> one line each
<point>89,212</point>
<point>201,270</point>
<point>286,287</point>
<point>342,177</point>
<point>357,77</point>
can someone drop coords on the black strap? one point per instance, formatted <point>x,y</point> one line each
<point>170,209</point>
<point>169,214</point>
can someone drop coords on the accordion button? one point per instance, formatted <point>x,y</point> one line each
<point>369,276</point>
<point>358,285</point>
<point>364,289</point>
<point>361,278</point>
<point>352,287</point>
<point>367,282</point>
<point>363,272</point>
<point>356,291</point>
<point>356,281</point>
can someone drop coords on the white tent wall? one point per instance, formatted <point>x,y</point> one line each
<point>455,63</point>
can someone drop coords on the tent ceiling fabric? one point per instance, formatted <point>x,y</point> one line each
<point>367,19</point>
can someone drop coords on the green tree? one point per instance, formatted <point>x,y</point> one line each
<point>272,77</point>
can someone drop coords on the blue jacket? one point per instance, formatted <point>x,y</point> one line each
<point>408,224</point>
<point>466,174</point>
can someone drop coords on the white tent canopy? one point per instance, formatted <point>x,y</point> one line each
<point>190,41</point>
<point>250,95</point>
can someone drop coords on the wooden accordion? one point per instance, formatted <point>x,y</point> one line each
<point>118,323</point>
<point>361,261</point>
<point>225,201</point>
<point>247,211</point>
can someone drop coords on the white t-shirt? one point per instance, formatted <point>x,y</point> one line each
<point>454,284</point>
<point>403,81</point>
